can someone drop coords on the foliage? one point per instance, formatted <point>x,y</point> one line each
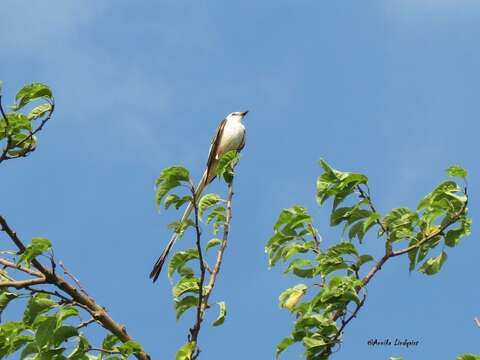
<point>192,286</point>
<point>18,128</point>
<point>334,278</point>
<point>51,326</point>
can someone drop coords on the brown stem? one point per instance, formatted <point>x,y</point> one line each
<point>205,293</point>
<point>21,284</point>
<point>12,265</point>
<point>195,330</point>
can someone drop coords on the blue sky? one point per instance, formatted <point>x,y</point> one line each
<point>388,88</point>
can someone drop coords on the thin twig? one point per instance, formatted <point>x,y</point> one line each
<point>85,323</point>
<point>9,139</point>
<point>223,244</point>
<point>345,321</point>
<point>19,267</point>
<point>38,129</point>
<point>366,196</point>
<point>111,352</point>
<point>75,280</point>
<point>316,238</point>
<point>21,284</point>
<point>194,331</point>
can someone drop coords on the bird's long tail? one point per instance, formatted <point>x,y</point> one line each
<point>157,268</point>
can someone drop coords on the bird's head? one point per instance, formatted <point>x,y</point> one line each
<point>237,115</point>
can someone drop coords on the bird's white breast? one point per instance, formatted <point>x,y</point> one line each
<point>232,136</point>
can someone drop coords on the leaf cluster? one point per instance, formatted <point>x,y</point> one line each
<point>17,127</point>
<point>336,274</point>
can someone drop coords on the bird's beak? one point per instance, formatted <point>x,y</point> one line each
<point>244,113</point>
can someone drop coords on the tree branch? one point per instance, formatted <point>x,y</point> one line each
<point>22,284</point>
<point>426,239</point>
<point>77,297</point>
<point>12,265</point>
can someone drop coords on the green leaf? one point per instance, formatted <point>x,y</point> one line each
<point>66,312</point>
<point>221,315</point>
<point>226,165</point>
<point>81,349</point>
<point>206,202</point>
<point>185,285</point>
<point>395,358</point>
<point>39,111</point>
<point>212,243</point>
<point>130,347</point>
<point>170,178</point>
<point>37,304</point>
<point>45,331</point>
<point>444,197</point>
<point>284,344</point>
<point>5,298</point>
<point>186,351</point>
<point>110,341</point>
<point>175,200</point>
<point>38,246</point>
<point>368,223</point>
<point>63,333</point>
<point>457,171</point>
<point>184,304</point>
<point>291,297</point>
<point>336,183</point>
<point>179,227</point>
<point>468,357</point>
<point>180,258</point>
<point>295,248</point>
<point>363,259</point>
<point>453,236</point>
<point>30,93</point>
<point>433,265</point>
<point>30,349</point>
<point>313,344</point>
<point>343,248</point>
<point>217,217</point>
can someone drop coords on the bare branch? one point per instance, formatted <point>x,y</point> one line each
<point>22,284</point>
<point>86,323</point>
<point>12,265</point>
<point>75,280</point>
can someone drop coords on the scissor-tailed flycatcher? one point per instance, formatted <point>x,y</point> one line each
<point>230,135</point>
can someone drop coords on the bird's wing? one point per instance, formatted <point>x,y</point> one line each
<point>214,145</point>
<point>242,144</point>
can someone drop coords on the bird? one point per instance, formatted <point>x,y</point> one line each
<point>230,135</point>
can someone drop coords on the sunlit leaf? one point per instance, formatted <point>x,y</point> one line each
<point>221,315</point>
